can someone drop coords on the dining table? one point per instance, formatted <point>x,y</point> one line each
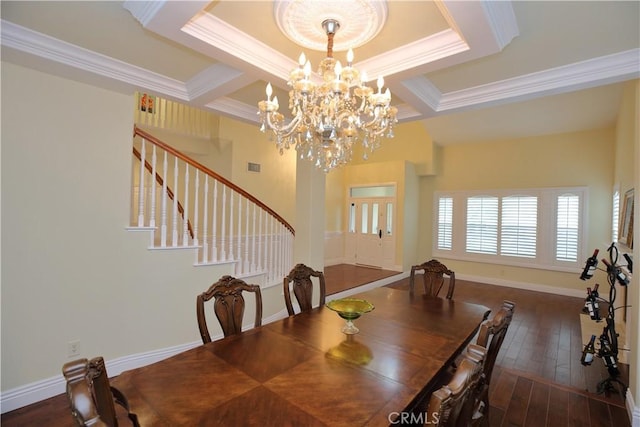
<point>304,371</point>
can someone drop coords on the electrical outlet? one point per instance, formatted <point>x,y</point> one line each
<point>73,348</point>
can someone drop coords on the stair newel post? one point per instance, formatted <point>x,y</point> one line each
<point>174,228</point>
<point>141,190</point>
<point>163,220</point>
<point>253,241</point>
<point>223,243</point>
<point>152,187</point>
<point>205,221</point>
<point>246,239</point>
<point>196,200</point>
<point>185,219</point>
<point>214,223</point>
<point>230,224</point>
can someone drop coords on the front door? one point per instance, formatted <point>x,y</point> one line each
<point>371,224</point>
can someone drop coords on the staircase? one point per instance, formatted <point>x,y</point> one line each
<point>185,205</point>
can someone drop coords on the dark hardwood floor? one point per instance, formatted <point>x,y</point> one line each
<point>538,379</point>
<point>344,276</point>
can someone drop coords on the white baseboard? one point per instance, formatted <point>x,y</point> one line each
<point>368,286</point>
<point>522,285</point>
<point>632,410</point>
<point>44,389</point>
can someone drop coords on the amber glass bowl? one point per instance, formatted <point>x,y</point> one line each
<point>350,309</point>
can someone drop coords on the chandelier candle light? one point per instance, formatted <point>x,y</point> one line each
<point>329,117</point>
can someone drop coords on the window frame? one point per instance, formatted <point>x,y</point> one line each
<point>546,228</point>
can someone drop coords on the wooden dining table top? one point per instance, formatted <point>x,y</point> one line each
<point>303,371</point>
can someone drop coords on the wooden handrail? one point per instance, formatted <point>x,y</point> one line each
<point>139,132</point>
<point>159,180</point>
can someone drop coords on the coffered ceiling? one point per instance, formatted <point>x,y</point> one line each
<point>469,70</point>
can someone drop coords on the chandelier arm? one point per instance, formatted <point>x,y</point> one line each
<point>286,130</point>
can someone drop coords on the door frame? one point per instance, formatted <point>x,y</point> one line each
<point>389,242</point>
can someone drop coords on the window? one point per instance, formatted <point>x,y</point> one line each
<point>615,214</point>
<point>519,226</point>
<point>364,226</point>
<point>482,225</point>
<point>536,228</point>
<point>568,217</point>
<point>445,222</point>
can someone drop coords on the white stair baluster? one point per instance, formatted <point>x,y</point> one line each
<point>253,241</point>
<point>174,230</point>
<point>261,263</point>
<point>214,223</point>
<point>239,238</point>
<point>185,208</point>
<point>196,200</point>
<point>230,224</point>
<point>163,220</point>
<point>246,239</point>
<point>141,190</point>
<point>278,268</point>
<point>205,221</point>
<point>272,249</point>
<point>152,187</point>
<point>223,254</point>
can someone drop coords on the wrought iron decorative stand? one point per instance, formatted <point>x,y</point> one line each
<point>608,340</point>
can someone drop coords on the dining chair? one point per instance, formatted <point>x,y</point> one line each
<point>454,404</point>
<point>434,275</point>
<point>299,280</point>
<point>91,397</point>
<point>490,337</point>
<point>229,306</point>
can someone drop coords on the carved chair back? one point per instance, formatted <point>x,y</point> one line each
<point>454,403</point>
<point>299,280</point>
<point>490,338</point>
<point>434,275</point>
<point>492,333</point>
<point>91,396</point>
<point>229,306</point>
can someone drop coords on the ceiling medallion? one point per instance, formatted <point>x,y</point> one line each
<point>301,21</point>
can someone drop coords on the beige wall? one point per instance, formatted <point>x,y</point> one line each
<point>411,142</point>
<point>627,174</point>
<point>574,159</point>
<point>275,185</point>
<point>70,269</point>
<point>212,153</point>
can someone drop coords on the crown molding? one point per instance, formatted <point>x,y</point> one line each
<point>236,109</point>
<point>48,48</point>
<point>580,75</point>
<point>502,21</point>
<point>415,55</point>
<point>216,32</point>
<point>212,78</point>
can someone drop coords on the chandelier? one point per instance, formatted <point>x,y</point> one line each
<point>330,116</point>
